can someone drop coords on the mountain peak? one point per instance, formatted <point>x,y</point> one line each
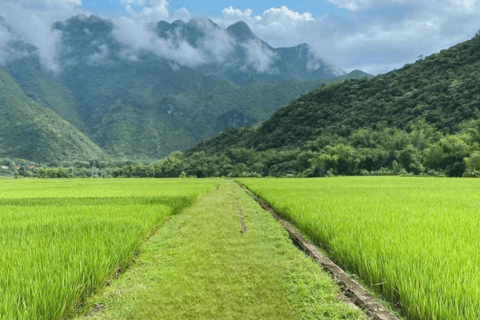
<point>78,23</point>
<point>177,23</point>
<point>241,31</point>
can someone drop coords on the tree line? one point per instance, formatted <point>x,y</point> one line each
<point>419,150</point>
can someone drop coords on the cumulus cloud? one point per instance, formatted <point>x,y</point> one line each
<point>282,17</point>
<point>153,10</point>
<point>182,14</point>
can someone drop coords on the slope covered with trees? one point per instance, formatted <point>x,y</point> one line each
<point>443,88</point>
<point>423,117</point>
<point>30,131</point>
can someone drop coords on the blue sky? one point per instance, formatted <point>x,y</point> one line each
<point>318,8</point>
<point>376,36</point>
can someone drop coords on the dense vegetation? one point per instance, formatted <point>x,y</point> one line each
<point>413,241</point>
<point>442,88</point>
<point>422,118</point>
<point>144,114</point>
<point>31,131</point>
<point>381,151</point>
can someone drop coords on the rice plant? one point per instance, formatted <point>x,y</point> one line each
<point>60,239</point>
<point>415,240</point>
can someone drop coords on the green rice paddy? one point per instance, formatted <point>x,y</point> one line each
<point>415,240</point>
<point>60,239</point>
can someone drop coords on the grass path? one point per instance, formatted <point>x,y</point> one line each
<point>222,258</point>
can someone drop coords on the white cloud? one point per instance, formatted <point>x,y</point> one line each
<point>32,19</point>
<point>274,15</point>
<point>153,10</point>
<point>231,14</point>
<point>36,30</point>
<point>375,36</point>
<point>260,57</point>
<point>137,36</point>
<point>7,50</point>
<point>99,57</point>
<point>282,16</point>
<point>182,14</point>
<point>217,44</point>
<point>352,5</point>
<point>279,27</point>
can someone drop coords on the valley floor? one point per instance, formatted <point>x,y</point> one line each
<point>222,258</point>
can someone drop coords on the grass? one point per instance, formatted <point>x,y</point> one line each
<point>415,240</point>
<point>200,265</point>
<point>60,239</point>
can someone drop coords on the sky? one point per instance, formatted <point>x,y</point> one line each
<point>375,36</point>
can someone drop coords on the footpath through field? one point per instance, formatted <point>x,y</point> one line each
<point>222,258</point>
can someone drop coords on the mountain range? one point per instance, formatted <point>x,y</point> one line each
<point>123,90</point>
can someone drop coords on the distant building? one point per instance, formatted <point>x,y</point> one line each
<point>4,168</point>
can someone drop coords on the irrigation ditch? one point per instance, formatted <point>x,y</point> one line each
<point>351,292</point>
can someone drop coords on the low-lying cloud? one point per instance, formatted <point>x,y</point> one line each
<point>217,45</point>
<point>31,21</point>
<point>373,35</point>
<point>259,57</point>
<point>137,37</point>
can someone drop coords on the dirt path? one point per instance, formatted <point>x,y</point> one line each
<point>222,258</point>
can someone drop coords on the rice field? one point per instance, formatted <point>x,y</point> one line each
<point>60,239</point>
<point>416,241</point>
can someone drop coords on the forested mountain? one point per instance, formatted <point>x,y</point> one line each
<point>421,119</point>
<point>30,131</point>
<point>442,88</point>
<point>136,101</point>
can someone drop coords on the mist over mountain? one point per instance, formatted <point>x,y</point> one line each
<point>235,52</point>
<point>145,90</point>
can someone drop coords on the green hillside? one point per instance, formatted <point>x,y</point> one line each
<point>148,110</point>
<point>154,126</point>
<point>442,88</point>
<point>421,119</point>
<point>32,132</point>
